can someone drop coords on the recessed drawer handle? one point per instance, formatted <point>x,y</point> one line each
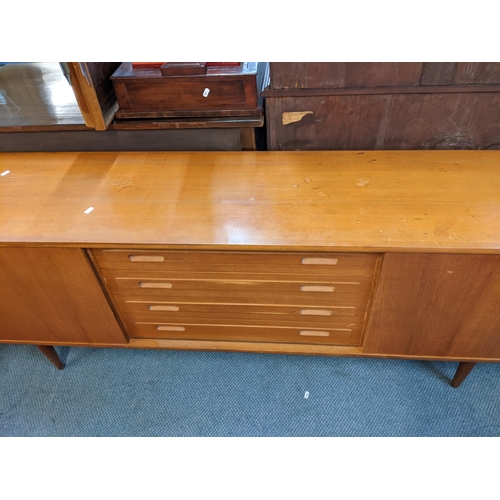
<point>316,288</point>
<point>316,312</point>
<point>320,261</point>
<point>314,333</point>
<point>166,328</point>
<point>146,258</point>
<point>152,284</point>
<point>163,308</point>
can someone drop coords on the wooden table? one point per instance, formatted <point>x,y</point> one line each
<point>387,254</point>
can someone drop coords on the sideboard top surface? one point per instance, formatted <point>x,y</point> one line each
<point>432,201</point>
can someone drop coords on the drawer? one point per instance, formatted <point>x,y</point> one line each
<point>241,263</point>
<point>242,314</point>
<point>338,334</point>
<point>349,291</point>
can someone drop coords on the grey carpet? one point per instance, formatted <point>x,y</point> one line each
<point>119,392</point>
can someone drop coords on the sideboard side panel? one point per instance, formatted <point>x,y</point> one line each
<point>436,305</point>
<point>53,295</point>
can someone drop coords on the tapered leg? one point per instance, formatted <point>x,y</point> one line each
<point>463,370</point>
<point>52,355</point>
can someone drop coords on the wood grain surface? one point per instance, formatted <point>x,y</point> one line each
<point>336,334</point>
<point>422,201</point>
<point>304,75</point>
<point>53,295</point>
<point>246,314</point>
<point>391,121</point>
<point>239,263</point>
<point>438,305</point>
<point>330,75</point>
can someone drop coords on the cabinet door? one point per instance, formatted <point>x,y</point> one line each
<point>53,295</point>
<point>437,305</point>
<point>94,92</point>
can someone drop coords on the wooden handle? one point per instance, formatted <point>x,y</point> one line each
<point>314,333</point>
<point>163,308</point>
<point>320,261</point>
<point>316,288</point>
<point>146,258</point>
<point>167,328</point>
<point>152,284</point>
<point>316,312</point>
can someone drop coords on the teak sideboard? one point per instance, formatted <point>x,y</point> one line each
<point>385,254</point>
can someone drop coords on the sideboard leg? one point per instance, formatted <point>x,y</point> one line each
<point>51,354</point>
<point>463,370</point>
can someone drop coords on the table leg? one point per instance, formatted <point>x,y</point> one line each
<point>463,370</point>
<point>51,354</point>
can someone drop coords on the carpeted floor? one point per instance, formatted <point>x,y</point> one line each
<point>118,392</point>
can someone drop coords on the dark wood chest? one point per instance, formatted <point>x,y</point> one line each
<point>222,91</point>
<point>357,106</point>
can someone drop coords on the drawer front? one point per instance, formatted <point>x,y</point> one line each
<point>187,95</point>
<point>290,297</point>
<point>339,334</point>
<point>264,315</point>
<point>354,291</point>
<point>241,263</point>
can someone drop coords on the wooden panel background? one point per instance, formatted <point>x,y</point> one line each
<point>306,75</point>
<point>477,73</point>
<point>395,121</point>
<point>332,75</point>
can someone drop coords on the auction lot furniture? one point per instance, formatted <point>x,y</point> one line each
<point>41,114</point>
<point>360,106</point>
<point>358,253</point>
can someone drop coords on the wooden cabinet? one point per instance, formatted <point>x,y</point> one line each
<point>359,106</point>
<point>339,253</point>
